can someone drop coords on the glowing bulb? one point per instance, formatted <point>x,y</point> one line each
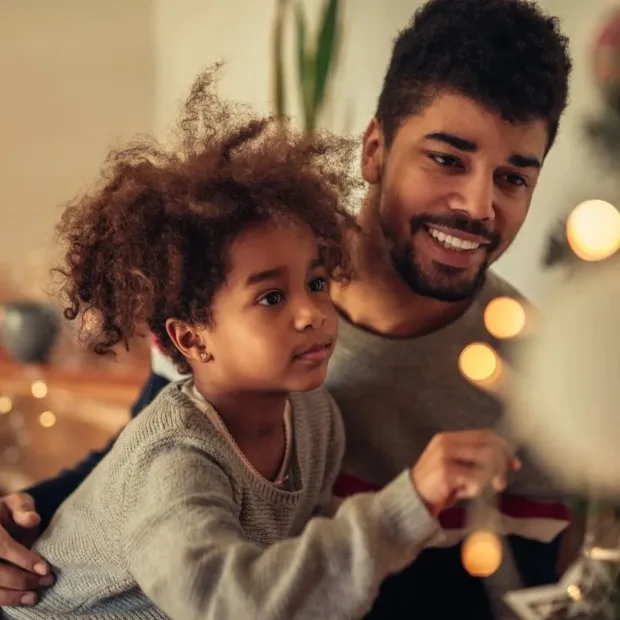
<point>478,362</point>
<point>481,553</point>
<point>6,404</point>
<point>47,419</point>
<point>39,389</point>
<point>504,318</point>
<point>593,230</point>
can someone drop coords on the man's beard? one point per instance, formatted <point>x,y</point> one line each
<point>438,281</point>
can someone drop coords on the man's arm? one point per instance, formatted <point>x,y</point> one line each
<point>49,494</point>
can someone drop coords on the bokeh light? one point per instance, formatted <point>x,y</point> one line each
<point>593,230</point>
<point>504,318</point>
<point>47,419</point>
<point>6,404</point>
<point>39,389</point>
<point>480,364</point>
<point>481,553</point>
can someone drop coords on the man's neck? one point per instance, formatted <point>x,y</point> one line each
<point>383,307</point>
<point>377,299</point>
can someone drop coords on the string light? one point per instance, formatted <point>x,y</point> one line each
<point>604,555</point>
<point>39,389</point>
<point>593,230</point>
<point>480,364</point>
<point>574,591</point>
<point>504,318</point>
<point>47,419</point>
<point>481,553</point>
<point>6,405</point>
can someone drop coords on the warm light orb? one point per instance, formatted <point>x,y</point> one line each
<point>47,419</point>
<point>504,318</point>
<point>478,362</point>
<point>39,389</point>
<point>481,553</point>
<point>6,405</point>
<point>593,230</point>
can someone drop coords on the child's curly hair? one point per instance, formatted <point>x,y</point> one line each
<point>152,241</point>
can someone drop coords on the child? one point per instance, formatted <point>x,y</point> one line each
<point>209,504</point>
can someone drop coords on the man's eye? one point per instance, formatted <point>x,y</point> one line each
<point>272,298</point>
<point>317,285</point>
<point>516,179</point>
<point>445,160</point>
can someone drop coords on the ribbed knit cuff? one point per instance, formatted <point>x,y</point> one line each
<point>404,515</point>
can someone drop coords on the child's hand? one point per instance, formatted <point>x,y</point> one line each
<point>461,465</point>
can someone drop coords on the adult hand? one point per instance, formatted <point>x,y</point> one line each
<point>22,572</point>
<point>460,465</point>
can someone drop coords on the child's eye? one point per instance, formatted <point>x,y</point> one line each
<point>318,285</point>
<point>272,298</point>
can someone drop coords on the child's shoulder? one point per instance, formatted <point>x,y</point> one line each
<point>171,416</point>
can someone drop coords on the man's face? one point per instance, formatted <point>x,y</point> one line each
<point>452,192</point>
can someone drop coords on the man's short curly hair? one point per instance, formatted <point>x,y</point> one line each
<point>507,55</point>
<point>151,242</point>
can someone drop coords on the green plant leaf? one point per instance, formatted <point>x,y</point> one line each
<point>279,95</point>
<point>306,68</point>
<point>308,95</point>
<point>325,51</point>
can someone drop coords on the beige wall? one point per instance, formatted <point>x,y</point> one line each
<point>75,76</point>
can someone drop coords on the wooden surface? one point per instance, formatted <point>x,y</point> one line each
<point>90,397</point>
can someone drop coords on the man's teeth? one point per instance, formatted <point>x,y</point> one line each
<point>452,243</point>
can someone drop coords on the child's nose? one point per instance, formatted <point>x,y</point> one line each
<point>309,315</point>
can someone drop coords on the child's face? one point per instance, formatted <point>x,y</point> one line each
<point>274,322</point>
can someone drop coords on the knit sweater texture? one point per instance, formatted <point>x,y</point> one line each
<point>173,524</point>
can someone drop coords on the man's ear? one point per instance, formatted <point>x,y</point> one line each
<point>372,153</point>
<point>190,340</point>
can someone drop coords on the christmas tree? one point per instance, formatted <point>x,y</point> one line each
<point>602,132</point>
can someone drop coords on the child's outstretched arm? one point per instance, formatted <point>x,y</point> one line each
<point>185,547</point>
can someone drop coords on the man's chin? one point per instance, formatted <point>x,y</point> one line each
<point>445,283</point>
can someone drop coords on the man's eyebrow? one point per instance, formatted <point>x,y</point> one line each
<point>520,161</point>
<point>458,143</point>
<point>524,161</point>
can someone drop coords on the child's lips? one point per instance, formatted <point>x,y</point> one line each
<point>316,353</point>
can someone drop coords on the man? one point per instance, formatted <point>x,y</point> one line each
<point>469,108</point>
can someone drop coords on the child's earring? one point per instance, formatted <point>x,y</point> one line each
<point>204,356</point>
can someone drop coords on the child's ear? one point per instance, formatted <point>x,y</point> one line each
<point>190,340</point>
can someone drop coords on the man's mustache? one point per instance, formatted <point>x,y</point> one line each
<point>457,222</point>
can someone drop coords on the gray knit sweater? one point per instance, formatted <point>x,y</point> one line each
<point>172,523</point>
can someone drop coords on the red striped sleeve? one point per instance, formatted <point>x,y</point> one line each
<point>531,514</point>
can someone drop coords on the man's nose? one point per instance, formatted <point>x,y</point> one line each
<point>475,197</point>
